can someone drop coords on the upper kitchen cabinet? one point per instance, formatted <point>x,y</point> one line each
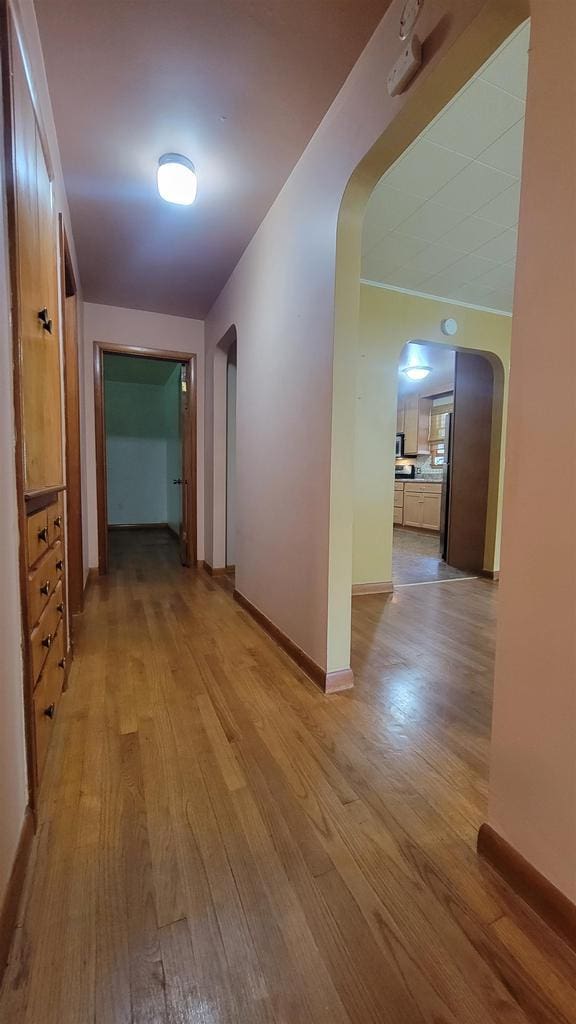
<point>416,412</point>
<point>38,343</point>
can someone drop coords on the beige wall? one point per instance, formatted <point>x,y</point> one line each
<point>149,330</point>
<point>388,319</point>
<point>533,776</point>
<point>13,775</point>
<point>295,455</point>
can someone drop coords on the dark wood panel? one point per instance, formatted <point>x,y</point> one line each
<point>470,461</point>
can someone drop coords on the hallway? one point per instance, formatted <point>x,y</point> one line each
<point>221,842</point>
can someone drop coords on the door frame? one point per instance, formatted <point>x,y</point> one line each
<point>72,455</point>
<point>189,443</point>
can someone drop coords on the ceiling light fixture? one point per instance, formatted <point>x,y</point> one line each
<point>416,372</point>
<point>177,181</point>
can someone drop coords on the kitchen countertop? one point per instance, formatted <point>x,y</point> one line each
<point>418,480</point>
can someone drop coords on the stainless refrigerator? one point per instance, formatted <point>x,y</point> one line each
<point>445,499</point>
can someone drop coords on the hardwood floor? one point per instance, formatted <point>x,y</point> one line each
<point>416,558</point>
<point>220,842</point>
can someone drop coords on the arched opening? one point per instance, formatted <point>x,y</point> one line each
<point>413,441</point>
<point>224,447</point>
<point>423,107</point>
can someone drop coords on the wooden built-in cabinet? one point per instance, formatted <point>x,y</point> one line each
<point>38,408</point>
<point>398,502</point>
<point>420,505</point>
<point>414,413</point>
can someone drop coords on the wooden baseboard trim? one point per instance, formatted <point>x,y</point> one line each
<point>215,571</point>
<point>491,574</point>
<point>90,578</point>
<point>329,682</point>
<point>13,894</point>
<point>138,526</point>
<point>386,587</point>
<point>558,912</point>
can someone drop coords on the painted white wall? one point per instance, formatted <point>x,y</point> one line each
<point>230,463</point>
<point>295,402</point>
<point>147,330</point>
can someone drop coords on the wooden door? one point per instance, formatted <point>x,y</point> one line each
<point>38,342</point>
<point>185,392</point>
<point>470,461</point>
<point>75,560</point>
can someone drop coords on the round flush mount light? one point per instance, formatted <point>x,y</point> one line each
<point>177,181</point>
<point>449,326</point>
<point>416,372</point>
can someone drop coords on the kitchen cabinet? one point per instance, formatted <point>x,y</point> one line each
<point>39,416</point>
<point>422,505</point>
<point>416,412</point>
<point>399,503</point>
<point>400,416</point>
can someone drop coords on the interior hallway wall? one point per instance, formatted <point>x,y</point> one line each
<point>388,319</point>
<point>294,543</point>
<point>533,765</point>
<point>136,453</point>
<point>13,771</point>
<point>135,327</point>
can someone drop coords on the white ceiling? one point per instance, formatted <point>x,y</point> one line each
<point>443,220</point>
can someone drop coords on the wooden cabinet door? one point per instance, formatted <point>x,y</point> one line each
<point>412,509</point>
<point>400,416</point>
<point>430,511</point>
<point>411,425</point>
<point>39,349</point>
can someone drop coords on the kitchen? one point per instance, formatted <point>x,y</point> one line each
<point>428,509</point>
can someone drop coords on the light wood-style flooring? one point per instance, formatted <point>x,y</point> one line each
<point>416,558</point>
<point>219,842</point>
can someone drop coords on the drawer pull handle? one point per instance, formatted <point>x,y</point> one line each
<point>60,607</point>
<point>59,565</point>
<point>48,641</point>
<point>58,522</point>
<point>43,534</point>
<point>45,320</point>
<point>45,588</point>
<point>49,711</point>
<point>62,663</point>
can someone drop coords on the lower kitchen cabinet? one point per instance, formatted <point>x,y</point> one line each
<point>422,505</point>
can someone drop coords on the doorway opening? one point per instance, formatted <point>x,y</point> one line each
<point>438,253</point>
<point>145,403</point>
<point>444,436</point>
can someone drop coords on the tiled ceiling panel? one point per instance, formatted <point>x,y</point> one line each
<point>443,220</point>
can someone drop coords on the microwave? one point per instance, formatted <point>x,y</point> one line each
<point>399,446</point>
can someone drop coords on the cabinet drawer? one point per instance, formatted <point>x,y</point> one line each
<point>46,698</point>
<point>38,535</point>
<point>42,581</point>
<point>424,488</point>
<point>399,500</point>
<point>56,520</point>
<point>43,636</point>
<point>398,514</point>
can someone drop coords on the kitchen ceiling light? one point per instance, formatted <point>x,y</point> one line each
<point>177,181</point>
<point>416,372</point>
